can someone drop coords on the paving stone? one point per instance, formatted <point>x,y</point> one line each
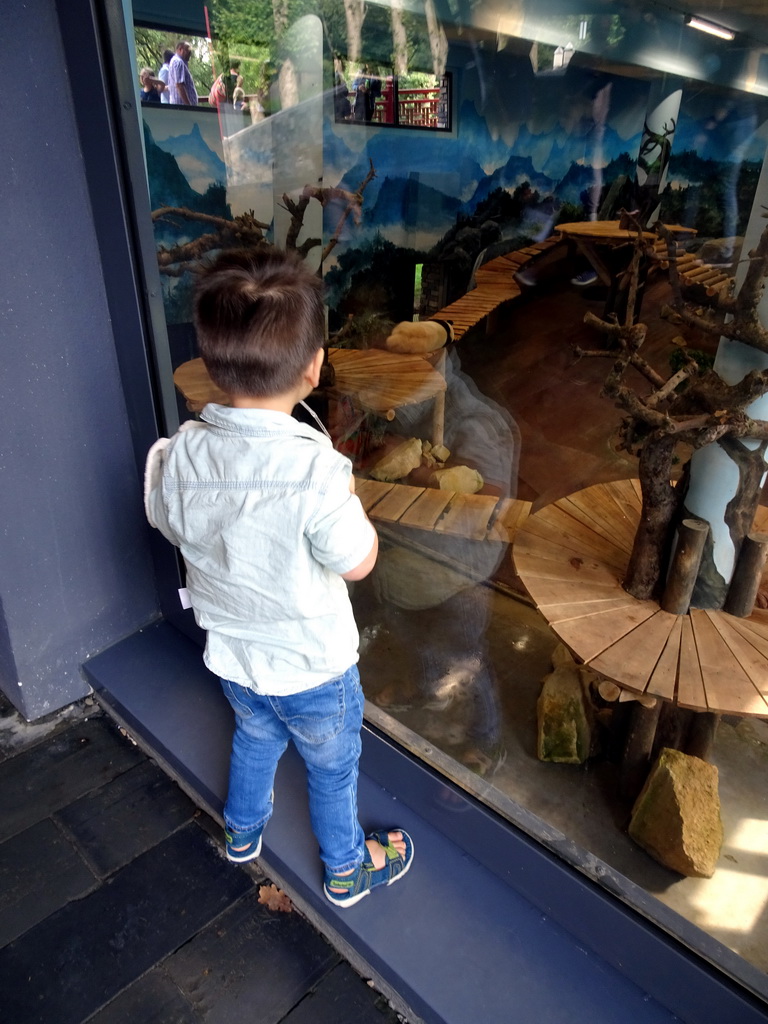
<point>153,999</point>
<point>51,775</point>
<point>40,872</point>
<point>119,821</point>
<point>73,963</point>
<point>17,734</point>
<point>252,964</point>
<point>343,997</point>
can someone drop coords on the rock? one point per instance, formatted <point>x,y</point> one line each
<point>399,462</point>
<point>676,817</point>
<point>564,713</point>
<point>457,478</point>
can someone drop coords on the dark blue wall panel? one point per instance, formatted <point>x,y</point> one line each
<point>75,572</point>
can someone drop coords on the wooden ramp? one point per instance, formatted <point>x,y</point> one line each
<point>473,516</point>
<point>495,286</point>
<point>571,557</point>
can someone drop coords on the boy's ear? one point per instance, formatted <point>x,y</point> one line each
<point>313,370</point>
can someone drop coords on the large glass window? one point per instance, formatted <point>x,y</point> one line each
<point>478,279</point>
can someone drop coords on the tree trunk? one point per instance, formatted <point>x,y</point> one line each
<point>354,11</point>
<point>399,38</point>
<point>438,41</point>
<point>648,561</point>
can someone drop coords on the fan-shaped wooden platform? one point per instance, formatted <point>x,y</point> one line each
<point>572,555</point>
<point>377,381</point>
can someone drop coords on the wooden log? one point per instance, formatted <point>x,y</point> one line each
<point>747,575</point>
<point>701,734</point>
<point>691,536</point>
<point>438,413</point>
<point>608,690</point>
<point>701,271</point>
<point>672,728</point>
<point>636,760</point>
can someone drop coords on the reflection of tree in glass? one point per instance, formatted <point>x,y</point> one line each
<point>390,37</point>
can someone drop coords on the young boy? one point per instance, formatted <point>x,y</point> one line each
<point>265,514</point>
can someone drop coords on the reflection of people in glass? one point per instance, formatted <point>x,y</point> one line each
<point>367,89</point>
<point>341,105</point>
<point>238,96</point>
<point>180,84</point>
<point>151,87</point>
<point>162,74</point>
<point>435,607</point>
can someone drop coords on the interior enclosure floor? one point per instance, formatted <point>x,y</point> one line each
<point>527,365</point>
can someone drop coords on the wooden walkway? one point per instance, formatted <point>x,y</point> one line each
<point>572,556</point>
<point>496,282</point>
<point>474,516</point>
<point>495,286</point>
<point>695,274</point>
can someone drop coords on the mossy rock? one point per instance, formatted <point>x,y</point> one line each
<point>676,817</point>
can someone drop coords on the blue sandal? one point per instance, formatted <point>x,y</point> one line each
<point>249,841</point>
<point>367,877</point>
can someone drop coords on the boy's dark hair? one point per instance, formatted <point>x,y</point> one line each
<point>167,55</point>
<point>260,320</point>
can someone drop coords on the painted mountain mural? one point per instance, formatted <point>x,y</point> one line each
<point>517,161</point>
<point>194,155</point>
<point>184,171</point>
<point>170,166</point>
<point>554,159</point>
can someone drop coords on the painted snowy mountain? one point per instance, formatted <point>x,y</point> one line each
<point>198,162</point>
<point>514,172</point>
<point>168,186</point>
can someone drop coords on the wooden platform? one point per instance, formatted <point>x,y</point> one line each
<point>473,516</point>
<point>378,381</point>
<point>572,555</point>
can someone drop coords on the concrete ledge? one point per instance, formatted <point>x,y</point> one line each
<point>487,920</point>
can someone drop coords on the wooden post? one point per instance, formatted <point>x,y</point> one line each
<point>438,412</point>
<point>691,537</point>
<point>747,574</point>
<point>672,729</point>
<point>701,734</point>
<point>636,761</point>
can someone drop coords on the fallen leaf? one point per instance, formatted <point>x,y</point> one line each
<point>275,898</point>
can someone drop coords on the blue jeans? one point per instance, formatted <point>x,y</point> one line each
<point>324,724</point>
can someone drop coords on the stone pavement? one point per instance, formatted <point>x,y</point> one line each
<point>117,904</point>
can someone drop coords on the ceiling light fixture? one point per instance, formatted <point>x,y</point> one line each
<point>709,26</point>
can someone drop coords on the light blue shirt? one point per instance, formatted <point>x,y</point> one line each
<point>162,74</point>
<point>179,73</point>
<point>260,506</point>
